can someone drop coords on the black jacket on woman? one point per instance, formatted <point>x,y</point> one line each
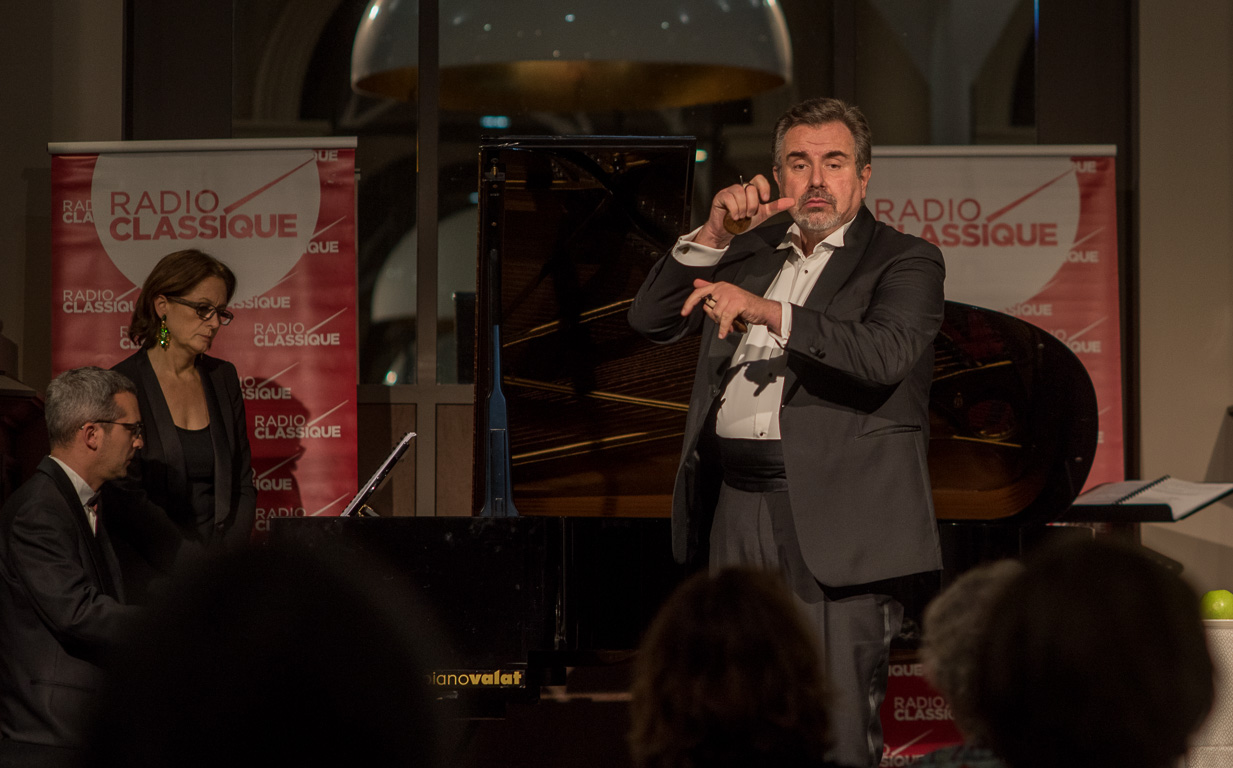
<point>157,480</point>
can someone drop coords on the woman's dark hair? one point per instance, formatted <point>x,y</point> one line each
<point>174,275</point>
<point>728,674</point>
<point>1094,656</point>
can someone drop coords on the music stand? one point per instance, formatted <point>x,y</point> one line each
<point>358,505</point>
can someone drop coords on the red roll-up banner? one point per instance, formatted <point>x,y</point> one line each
<point>1030,231</point>
<point>281,215</point>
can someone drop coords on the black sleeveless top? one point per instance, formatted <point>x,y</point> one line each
<point>199,464</point>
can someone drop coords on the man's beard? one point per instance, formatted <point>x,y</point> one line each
<point>818,221</point>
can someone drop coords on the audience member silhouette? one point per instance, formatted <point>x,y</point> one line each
<point>273,657</point>
<point>728,674</point>
<point>1095,657</point>
<point>954,630</point>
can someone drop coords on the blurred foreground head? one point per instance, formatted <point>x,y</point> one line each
<point>955,623</point>
<point>728,675</point>
<point>273,657</point>
<point>1095,656</point>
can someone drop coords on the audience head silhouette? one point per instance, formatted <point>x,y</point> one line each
<point>273,657</point>
<point>728,674</point>
<point>1096,656</point>
<point>954,631</point>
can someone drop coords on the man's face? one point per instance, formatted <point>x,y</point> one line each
<point>119,444</point>
<point>818,169</point>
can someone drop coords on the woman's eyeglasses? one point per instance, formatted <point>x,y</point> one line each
<point>205,311</point>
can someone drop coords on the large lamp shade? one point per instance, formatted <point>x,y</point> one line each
<point>577,55</point>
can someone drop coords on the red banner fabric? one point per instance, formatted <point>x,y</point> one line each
<point>916,719</point>
<point>1028,233</point>
<point>283,219</point>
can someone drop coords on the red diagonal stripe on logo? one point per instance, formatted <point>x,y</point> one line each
<point>997,214</point>
<point>253,194</point>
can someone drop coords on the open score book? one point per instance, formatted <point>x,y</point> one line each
<point>1160,500</point>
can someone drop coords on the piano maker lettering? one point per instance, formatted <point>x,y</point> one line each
<point>476,678</point>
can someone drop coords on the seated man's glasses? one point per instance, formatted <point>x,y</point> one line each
<point>135,428</point>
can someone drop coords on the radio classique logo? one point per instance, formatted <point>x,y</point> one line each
<point>1004,231</point>
<point>254,210</point>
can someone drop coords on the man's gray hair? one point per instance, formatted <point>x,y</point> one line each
<point>821,111</point>
<point>81,395</point>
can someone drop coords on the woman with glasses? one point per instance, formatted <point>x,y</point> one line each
<point>195,469</point>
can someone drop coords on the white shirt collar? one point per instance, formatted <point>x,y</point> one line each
<point>84,491</point>
<point>832,241</point>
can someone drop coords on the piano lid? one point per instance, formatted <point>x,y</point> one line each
<point>1013,420</point>
<point>595,414</point>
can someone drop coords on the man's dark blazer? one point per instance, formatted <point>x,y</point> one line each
<point>61,610</point>
<point>157,478</point>
<point>854,419</point>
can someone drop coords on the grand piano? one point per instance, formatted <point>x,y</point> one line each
<point>579,424</point>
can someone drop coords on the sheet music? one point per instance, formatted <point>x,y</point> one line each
<point>1181,496</point>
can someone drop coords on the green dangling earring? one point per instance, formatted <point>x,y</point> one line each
<point>163,334</point>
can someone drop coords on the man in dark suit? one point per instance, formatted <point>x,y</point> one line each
<point>62,605</point>
<point>808,423</point>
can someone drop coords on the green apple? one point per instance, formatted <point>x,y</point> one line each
<point>1217,604</point>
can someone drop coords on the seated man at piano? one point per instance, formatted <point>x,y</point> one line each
<point>62,604</point>
<point>805,443</point>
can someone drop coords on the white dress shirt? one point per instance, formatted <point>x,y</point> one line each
<point>749,407</point>
<point>84,493</point>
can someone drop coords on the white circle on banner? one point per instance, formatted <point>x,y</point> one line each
<point>1005,225</point>
<point>254,211</point>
